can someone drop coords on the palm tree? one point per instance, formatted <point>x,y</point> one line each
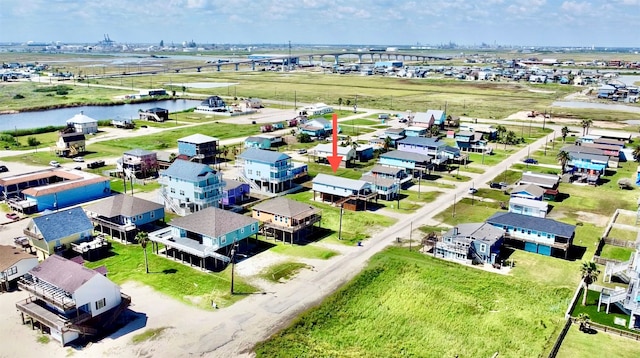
<point>434,130</point>
<point>143,239</point>
<point>586,123</point>
<point>387,143</point>
<point>510,138</point>
<point>563,157</point>
<point>501,131</point>
<point>636,153</point>
<point>583,319</point>
<point>565,132</point>
<point>589,272</point>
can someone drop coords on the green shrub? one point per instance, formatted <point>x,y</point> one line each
<point>18,96</point>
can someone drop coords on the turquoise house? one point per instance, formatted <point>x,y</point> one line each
<point>208,235</point>
<point>266,170</point>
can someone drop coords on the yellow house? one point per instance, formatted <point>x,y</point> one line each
<point>281,216</point>
<point>55,232</point>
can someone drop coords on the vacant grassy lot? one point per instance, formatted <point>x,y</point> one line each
<point>616,252</point>
<point>409,304</point>
<point>622,234</point>
<point>187,284</point>
<point>579,344</point>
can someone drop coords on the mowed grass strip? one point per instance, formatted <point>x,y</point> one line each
<point>409,304</point>
<point>187,284</point>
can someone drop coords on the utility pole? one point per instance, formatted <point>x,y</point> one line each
<point>454,205</point>
<point>233,256</point>
<point>340,227</point>
<point>289,61</point>
<point>410,232</point>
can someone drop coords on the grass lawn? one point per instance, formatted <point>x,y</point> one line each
<point>579,344</point>
<point>409,304</point>
<point>622,234</point>
<point>187,284</point>
<point>599,317</point>
<point>356,225</point>
<point>307,251</point>
<point>118,185</point>
<point>616,252</point>
<point>282,271</point>
<point>358,122</point>
<point>467,211</point>
<point>626,219</point>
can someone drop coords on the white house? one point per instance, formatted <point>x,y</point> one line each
<point>65,296</point>
<point>316,109</point>
<point>325,150</point>
<point>83,123</point>
<point>529,207</point>
<point>13,264</point>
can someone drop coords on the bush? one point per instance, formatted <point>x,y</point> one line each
<point>304,138</point>
<point>58,88</point>
<point>18,96</point>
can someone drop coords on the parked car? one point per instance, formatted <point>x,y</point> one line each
<point>78,159</point>
<point>12,216</point>
<point>531,161</point>
<point>96,164</point>
<point>21,241</point>
<point>302,151</point>
<point>473,190</point>
<point>3,169</point>
<point>500,185</point>
<point>54,163</point>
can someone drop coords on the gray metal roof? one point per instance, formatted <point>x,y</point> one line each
<point>532,223</point>
<point>284,207</point>
<point>212,222</point>
<point>189,171</point>
<point>422,142</point>
<point>63,273</point>
<point>477,231</point>
<point>542,180</point>
<point>576,149</point>
<point>529,188</point>
<point>530,203</point>
<point>340,182</point>
<point>385,170</point>
<point>138,152</point>
<point>263,156</point>
<point>57,225</point>
<point>379,181</point>
<point>125,205</point>
<point>591,157</point>
<point>398,154</point>
<point>232,184</point>
<point>198,139</point>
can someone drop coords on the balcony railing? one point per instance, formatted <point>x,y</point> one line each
<point>207,188</point>
<point>48,293</point>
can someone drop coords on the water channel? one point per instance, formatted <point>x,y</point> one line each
<point>58,117</point>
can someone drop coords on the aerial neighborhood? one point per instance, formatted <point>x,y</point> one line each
<point>241,208</point>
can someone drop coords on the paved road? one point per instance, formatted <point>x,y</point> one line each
<point>233,331</point>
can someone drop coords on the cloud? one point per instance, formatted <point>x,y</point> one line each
<point>576,8</point>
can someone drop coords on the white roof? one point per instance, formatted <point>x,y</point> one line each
<point>415,128</point>
<point>340,182</point>
<point>81,118</point>
<point>198,139</point>
<point>542,205</point>
<point>328,148</point>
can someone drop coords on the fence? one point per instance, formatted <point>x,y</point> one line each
<point>563,333</point>
<point>616,331</point>
<point>620,243</point>
<point>603,261</point>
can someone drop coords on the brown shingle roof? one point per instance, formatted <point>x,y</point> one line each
<point>124,205</point>
<point>9,256</point>
<point>48,173</point>
<point>213,222</point>
<point>284,207</point>
<point>58,187</point>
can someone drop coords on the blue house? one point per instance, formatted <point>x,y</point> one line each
<point>393,173</point>
<point>208,235</point>
<point>364,152</point>
<point>406,160</point>
<point>415,131</point>
<point>438,117</point>
<point>318,127</point>
<point>421,145</point>
<point>199,148</point>
<point>54,232</point>
<point>266,170</point>
<point>589,167</point>
<point>53,189</point>
<point>122,216</point>
<point>477,243</point>
<point>387,189</point>
<point>470,141</point>
<point>528,191</point>
<point>190,187</point>
<point>349,193</point>
<point>535,234</point>
<point>234,192</point>
<point>257,142</point>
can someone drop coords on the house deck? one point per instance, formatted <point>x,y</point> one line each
<point>46,292</point>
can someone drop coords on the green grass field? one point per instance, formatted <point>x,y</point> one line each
<point>187,284</point>
<point>409,304</point>
<point>579,344</point>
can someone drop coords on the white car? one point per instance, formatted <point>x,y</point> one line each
<point>54,163</point>
<point>473,190</point>
<point>78,159</point>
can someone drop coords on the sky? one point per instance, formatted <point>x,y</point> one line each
<point>601,23</point>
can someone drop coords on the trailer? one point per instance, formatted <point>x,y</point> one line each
<point>266,128</point>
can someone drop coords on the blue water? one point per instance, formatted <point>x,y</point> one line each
<point>58,117</point>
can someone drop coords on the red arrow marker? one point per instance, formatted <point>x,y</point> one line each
<point>335,159</point>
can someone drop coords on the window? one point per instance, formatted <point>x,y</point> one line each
<point>250,171</point>
<point>12,271</point>
<point>181,192</point>
<point>257,212</point>
<point>173,190</point>
<point>253,227</point>
<point>257,172</point>
<point>101,303</point>
<point>483,248</point>
<point>139,217</point>
<point>223,240</point>
<point>152,214</point>
<point>242,230</point>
